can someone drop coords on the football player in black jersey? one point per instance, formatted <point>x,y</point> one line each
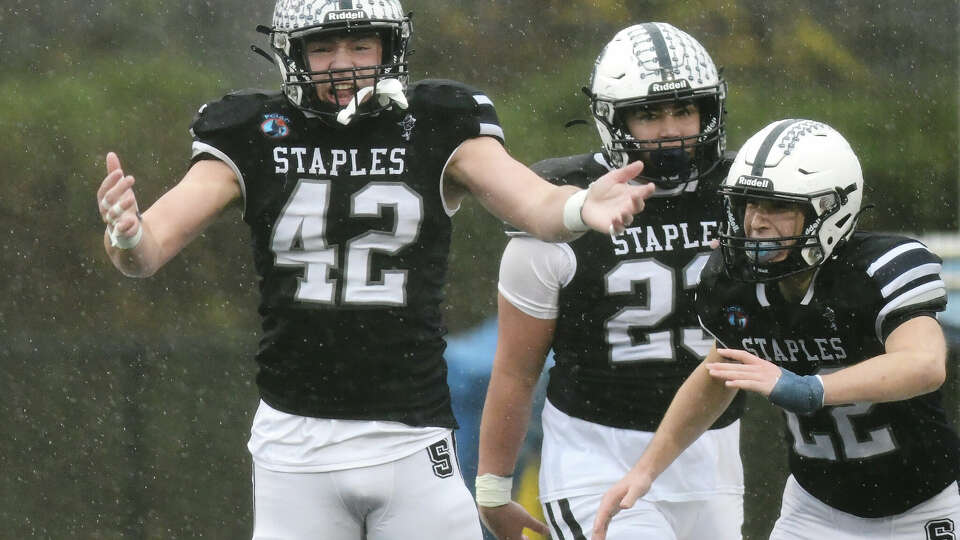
<point>618,312</point>
<point>836,327</point>
<point>348,181</point>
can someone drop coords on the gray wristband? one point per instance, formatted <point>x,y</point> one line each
<point>796,393</point>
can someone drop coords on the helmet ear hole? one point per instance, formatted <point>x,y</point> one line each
<point>842,221</point>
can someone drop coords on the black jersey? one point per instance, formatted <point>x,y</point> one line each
<point>627,333</point>
<point>866,459</point>
<point>350,239</point>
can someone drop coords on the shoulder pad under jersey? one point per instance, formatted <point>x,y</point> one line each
<point>445,94</point>
<point>233,110</point>
<point>578,170</point>
<point>904,273</point>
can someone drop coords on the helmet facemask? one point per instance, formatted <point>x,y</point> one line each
<point>648,65</point>
<point>669,162</point>
<point>752,259</point>
<point>289,39</point>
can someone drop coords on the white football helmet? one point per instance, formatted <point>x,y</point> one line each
<point>297,21</point>
<point>653,63</point>
<point>795,162</point>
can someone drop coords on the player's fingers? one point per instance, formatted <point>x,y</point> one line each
<point>750,386</point>
<point>120,189</point>
<point>749,373</point>
<point>600,524</point>
<point>113,162</point>
<point>108,182</point>
<point>127,225</point>
<point>630,498</point>
<point>602,521</point>
<point>738,355</point>
<point>117,193</point>
<point>125,204</point>
<point>617,225</point>
<point>536,525</point>
<point>644,191</point>
<point>626,173</point>
<point>629,172</point>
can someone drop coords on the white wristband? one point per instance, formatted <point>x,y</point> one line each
<point>572,219</point>
<point>124,242</point>
<point>493,490</point>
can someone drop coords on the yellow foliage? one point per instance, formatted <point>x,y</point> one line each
<point>808,44</point>
<point>527,496</point>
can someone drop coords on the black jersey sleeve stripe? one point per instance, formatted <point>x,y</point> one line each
<point>891,255</point>
<point>487,117</point>
<point>925,297</point>
<point>927,271</point>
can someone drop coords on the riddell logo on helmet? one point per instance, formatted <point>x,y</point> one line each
<point>754,182</point>
<point>348,15</point>
<point>669,86</point>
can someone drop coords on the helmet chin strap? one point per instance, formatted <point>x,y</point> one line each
<point>385,92</point>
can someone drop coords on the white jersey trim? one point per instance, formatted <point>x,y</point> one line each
<point>532,272</point>
<point>204,148</point>
<point>922,293</point>
<point>762,295</point>
<point>910,275</point>
<point>482,99</point>
<point>443,172</point>
<point>286,442</point>
<point>492,130</point>
<point>892,254</point>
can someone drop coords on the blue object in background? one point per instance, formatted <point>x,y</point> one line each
<point>470,359</point>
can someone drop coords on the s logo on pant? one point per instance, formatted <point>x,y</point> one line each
<point>440,456</point>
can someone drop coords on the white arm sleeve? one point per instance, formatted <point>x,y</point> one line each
<point>532,272</point>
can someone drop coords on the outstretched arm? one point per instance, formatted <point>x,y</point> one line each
<point>514,193</point>
<point>139,246</point>
<point>522,345</point>
<point>914,363</point>
<point>697,405</point>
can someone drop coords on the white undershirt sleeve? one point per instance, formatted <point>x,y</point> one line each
<point>532,272</point>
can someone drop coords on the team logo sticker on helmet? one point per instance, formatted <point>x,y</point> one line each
<point>754,182</point>
<point>275,126</point>
<point>346,15</point>
<point>669,86</point>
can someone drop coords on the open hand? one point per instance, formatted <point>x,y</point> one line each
<point>508,521</point>
<point>622,495</point>
<point>611,202</point>
<point>116,200</point>
<point>746,372</point>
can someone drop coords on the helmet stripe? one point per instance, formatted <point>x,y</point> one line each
<point>659,45</point>
<point>346,4</point>
<point>761,160</point>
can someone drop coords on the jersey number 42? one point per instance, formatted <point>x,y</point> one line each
<point>300,240</point>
